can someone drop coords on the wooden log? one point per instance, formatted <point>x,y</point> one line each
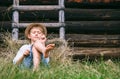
<point>70,15</point>
<point>92,14</point>
<point>96,53</point>
<point>83,3</point>
<point>84,27</point>
<point>75,14</point>
<point>93,40</point>
<point>88,5</point>
<point>93,37</point>
<point>93,26</point>
<point>96,56</point>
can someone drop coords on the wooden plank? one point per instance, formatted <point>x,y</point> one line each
<point>61,20</point>
<point>23,25</point>
<point>15,19</point>
<point>38,7</point>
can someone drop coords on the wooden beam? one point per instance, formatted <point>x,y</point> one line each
<point>62,20</point>
<point>15,19</point>
<point>51,25</point>
<point>38,7</point>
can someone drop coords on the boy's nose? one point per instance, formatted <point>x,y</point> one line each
<point>36,33</point>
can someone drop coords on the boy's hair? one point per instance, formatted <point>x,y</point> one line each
<point>29,27</point>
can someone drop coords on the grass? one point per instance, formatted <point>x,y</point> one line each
<point>61,66</point>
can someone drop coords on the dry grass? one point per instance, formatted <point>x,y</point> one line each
<point>10,48</point>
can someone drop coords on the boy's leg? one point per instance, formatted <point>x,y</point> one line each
<point>36,58</point>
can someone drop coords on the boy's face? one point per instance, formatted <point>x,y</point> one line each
<point>36,34</point>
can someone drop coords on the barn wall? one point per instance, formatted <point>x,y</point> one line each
<point>81,16</point>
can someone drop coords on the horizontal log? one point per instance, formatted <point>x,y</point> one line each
<point>74,14</point>
<point>80,27</point>
<point>83,4</point>
<point>93,40</point>
<point>92,14</point>
<point>96,53</point>
<point>92,26</point>
<point>78,24</point>
<point>97,56</point>
<point>79,37</point>
<point>70,15</point>
<point>100,5</point>
<point>33,7</point>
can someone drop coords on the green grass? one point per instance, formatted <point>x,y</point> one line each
<point>60,66</point>
<point>75,70</point>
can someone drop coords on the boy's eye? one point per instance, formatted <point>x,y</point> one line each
<point>36,32</point>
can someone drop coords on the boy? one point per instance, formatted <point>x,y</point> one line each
<point>29,55</point>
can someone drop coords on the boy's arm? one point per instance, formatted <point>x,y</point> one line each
<point>21,54</point>
<point>20,59</point>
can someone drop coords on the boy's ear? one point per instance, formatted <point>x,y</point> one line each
<point>28,36</point>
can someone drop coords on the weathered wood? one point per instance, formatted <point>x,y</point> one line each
<point>88,5</point>
<point>93,40</point>
<point>93,27</point>
<point>61,20</point>
<point>16,7</point>
<point>84,27</point>
<point>70,14</point>
<point>33,7</point>
<point>75,14</point>
<point>51,25</point>
<point>83,4</point>
<point>93,24</point>
<point>93,37</point>
<point>15,19</point>
<point>96,53</point>
<point>92,14</point>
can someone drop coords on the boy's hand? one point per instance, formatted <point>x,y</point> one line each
<point>26,53</point>
<point>43,38</point>
<point>50,47</point>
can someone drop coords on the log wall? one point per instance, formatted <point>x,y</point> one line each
<point>81,16</point>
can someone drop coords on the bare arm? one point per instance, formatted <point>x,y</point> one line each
<point>19,61</point>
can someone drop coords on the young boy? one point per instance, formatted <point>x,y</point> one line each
<point>29,55</point>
